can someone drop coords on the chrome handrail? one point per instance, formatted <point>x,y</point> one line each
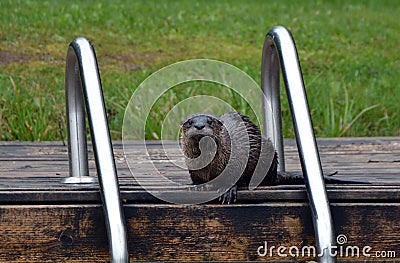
<point>83,83</point>
<point>279,48</point>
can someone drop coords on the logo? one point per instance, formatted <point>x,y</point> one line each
<point>342,249</point>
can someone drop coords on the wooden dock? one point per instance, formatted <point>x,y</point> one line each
<point>43,220</point>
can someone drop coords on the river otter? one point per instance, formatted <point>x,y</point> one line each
<point>222,133</point>
<point>210,143</point>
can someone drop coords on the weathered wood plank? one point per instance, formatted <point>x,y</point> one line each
<point>45,233</point>
<point>32,171</point>
<point>76,233</point>
<point>79,194</point>
<point>45,221</point>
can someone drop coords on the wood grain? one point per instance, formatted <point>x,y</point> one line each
<point>76,233</point>
<point>43,220</point>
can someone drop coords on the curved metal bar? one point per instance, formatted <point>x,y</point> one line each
<point>279,44</point>
<point>77,145</point>
<point>83,82</point>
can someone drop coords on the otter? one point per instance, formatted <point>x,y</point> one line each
<point>209,143</point>
<point>223,130</point>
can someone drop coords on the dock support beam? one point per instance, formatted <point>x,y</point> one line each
<point>279,48</point>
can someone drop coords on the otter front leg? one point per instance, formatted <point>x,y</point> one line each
<point>230,196</point>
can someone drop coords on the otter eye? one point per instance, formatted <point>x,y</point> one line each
<point>190,122</point>
<point>210,122</point>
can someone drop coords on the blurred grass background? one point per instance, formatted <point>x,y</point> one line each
<point>349,52</point>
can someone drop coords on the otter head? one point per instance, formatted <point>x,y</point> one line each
<point>197,126</point>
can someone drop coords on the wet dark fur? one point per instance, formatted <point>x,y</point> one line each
<point>215,129</point>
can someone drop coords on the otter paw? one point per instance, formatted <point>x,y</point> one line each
<point>230,196</point>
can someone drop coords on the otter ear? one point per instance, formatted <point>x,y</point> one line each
<point>187,120</point>
<point>184,121</point>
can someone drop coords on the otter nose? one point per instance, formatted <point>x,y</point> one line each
<point>199,125</point>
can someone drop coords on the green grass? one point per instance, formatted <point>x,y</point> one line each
<point>349,53</point>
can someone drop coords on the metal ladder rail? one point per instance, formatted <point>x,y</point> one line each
<point>83,83</point>
<point>279,48</point>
